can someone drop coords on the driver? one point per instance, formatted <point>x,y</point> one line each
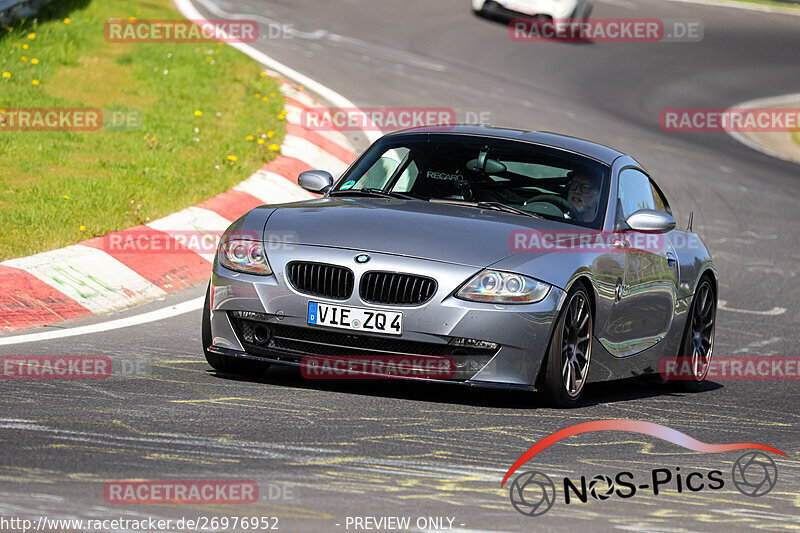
<point>583,192</point>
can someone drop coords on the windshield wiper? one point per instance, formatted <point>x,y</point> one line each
<point>376,192</point>
<point>507,208</point>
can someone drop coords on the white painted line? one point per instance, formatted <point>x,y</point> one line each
<point>312,155</point>
<point>301,96</point>
<point>192,222</point>
<point>775,311</point>
<point>619,3</point>
<point>144,318</point>
<point>89,276</point>
<point>771,101</point>
<point>190,12</point>
<point>272,188</point>
<point>294,116</point>
<point>744,6</point>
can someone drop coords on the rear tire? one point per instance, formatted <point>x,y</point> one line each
<point>224,363</point>
<point>570,353</point>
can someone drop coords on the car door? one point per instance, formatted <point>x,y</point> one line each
<point>646,298</point>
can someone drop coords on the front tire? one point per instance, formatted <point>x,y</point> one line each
<point>567,365</point>
<point>224,363</point>
<point>698,338</point>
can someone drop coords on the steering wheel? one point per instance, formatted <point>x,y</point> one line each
<point>562,203</point>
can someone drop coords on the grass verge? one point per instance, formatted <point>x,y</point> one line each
<point>208,119</point>
<point>782,6</point>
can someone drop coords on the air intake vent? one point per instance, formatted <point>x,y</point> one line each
<point>398,289</point>
<point>320,279</point>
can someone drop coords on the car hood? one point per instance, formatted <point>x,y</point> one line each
<point>427,230</point>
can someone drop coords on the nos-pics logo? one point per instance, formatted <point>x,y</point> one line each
<point>533,493</point>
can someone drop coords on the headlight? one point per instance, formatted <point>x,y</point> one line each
<point>244,256</point>
<point>503,288</point>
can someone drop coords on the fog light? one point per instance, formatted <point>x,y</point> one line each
<point>261,334</point>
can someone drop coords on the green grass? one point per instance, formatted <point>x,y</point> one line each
<point>796,137</point>
<point>61,187</point>
<point>788,6</point>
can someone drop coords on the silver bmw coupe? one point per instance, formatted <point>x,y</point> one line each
<point>526,260</point>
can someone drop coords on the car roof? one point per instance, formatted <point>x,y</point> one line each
<point>591,149</point>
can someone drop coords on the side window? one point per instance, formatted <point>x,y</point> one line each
<point>635,193</point>
<point>661,201</point>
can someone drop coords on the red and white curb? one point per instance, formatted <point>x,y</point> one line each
<point>92,278</point>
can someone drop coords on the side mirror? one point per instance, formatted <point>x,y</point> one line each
<point>316,181</point>
<point>651,221</point>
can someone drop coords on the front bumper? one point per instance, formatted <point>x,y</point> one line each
<point>522,332</point>
<point>577,9</point>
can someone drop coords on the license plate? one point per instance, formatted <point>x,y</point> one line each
<point>355,318</point>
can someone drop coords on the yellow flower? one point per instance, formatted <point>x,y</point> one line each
<point>24,58</point>
<point>257,95</point>
<point>131,19</point>
<point>34,61</point>
<point>265,99</point>
<point>263,74</point>
<point>281,117</point>
<point>35,82</point>
<point>260,141</point>
<point>65,197</point>
<point>272,95</point>
<point>208,58</point>
<point>273,148</point>
<point>6,74</point>
<point>249,138</point>
<point>82,228</point>
<point>67,21</point>
<point>198,113</point>
<point>31,36</point>
<point>25,46</point>
<point>232,158</point>
<point>270,134</point>
<point>301,88</point>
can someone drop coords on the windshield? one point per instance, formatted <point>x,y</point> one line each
<point>478,171</point>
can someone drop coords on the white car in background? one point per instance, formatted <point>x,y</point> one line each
<point>552,9</point>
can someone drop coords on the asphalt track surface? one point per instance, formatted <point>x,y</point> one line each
<point>363,449</point>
